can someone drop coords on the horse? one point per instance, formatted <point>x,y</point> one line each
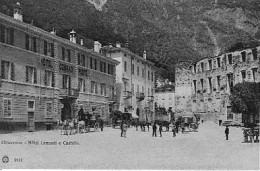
<point>72,124</point>
<point>81,126</point>
<point>63,125</point>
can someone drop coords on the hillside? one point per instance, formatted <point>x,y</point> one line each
<point>169,30</point>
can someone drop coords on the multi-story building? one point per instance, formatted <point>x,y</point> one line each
<point>45,77</point>
<point>135,80</point>
<point>204,87</point>
<point>164,97</point>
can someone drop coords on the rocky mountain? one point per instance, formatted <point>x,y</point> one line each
<point>169,30</point>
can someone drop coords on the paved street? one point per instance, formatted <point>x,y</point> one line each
<point>206,149</point>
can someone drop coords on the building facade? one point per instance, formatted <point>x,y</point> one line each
<point>204,87</point>
<point>135,80</point>
<point>45,78</point>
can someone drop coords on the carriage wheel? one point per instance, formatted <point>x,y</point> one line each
<point>96,127</point>
<point>193,127</point>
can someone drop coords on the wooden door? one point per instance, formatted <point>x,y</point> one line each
<point>31,122</point>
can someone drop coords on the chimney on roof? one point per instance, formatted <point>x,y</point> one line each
<point>144,54</point>
<point>81,42</point>
<point>118,45</point>
<point>53,31</point>
<point>73,36</point>
<point>97,46</point>
<point>18,12</point>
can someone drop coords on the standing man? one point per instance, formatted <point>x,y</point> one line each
<point>154,129</point>
<point>124,129</point>
<point>121,127</point>
<point>101,124</point>
<point>160,129</point>
<point>81,114</point>
<point>177,126</point>
<point>227,132</point>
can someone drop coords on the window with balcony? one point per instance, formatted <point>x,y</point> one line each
<point>143,74</point>
<point>81,85</point>
<point>125,66</point>
<point>66,55</point>
<point>254,71</point>
<point>254,52</point>
<point>148,75</point>
<point>30,43</point>
<point>202,84</point>
<point>7,70</point>
<point>94,87</point>
<point>103,91</point>
<point>210,85</point>
<point>6,35</point>
<point>110,69</point>
<point>137,70</point>
<point>48,49</point>
<point>230,82</point>
<point>103,66</point>
<point>202,66</point>
<point>66,81</point>
<point>194,68</point>
<point>218,62</point>
<point>91,63</point>
<point>133,69</point>
<point>243,56</point>
<point>195,86</point>
<point>151,76</point>
<point>49,78</point>
<point>30,75</point>
<point>218,82</point>
<point>210,64</point>
<point>243,75</point>
<point>230,58</point>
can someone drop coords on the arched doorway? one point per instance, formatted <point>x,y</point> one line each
<point>138,112</point>
<point>66,111</point>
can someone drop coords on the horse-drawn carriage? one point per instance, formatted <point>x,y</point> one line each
<point>92,121</point>
<point>190,122</point>
<point>119,117</point>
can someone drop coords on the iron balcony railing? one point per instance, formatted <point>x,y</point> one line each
<point>69,92</point>
<point>127,94</point>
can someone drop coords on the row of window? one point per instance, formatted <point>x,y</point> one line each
<point>32,43</point>
<point>149,90</point>
<point>149,75</point>
<point>209,64</point>
<point>8,108</point>
<point>7,72</point>
<point>230,80</point>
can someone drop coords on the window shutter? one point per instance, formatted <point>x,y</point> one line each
<point>83,60</point>
<point>45,47</point>
<point>45,78</point>
<point>63,53</point>
<point>69,55</point>
<point>52,50</point>
<point>26,74</point>
<point>78,59</point>
<point>2,32</point>
<point>35,76</point>
<point>12,72</point>
<point>2,69</point>
<point>69,82</point>
<point>11,36</point>
<point>52,80</point>
<point>27,42</point>
<point>34,44</point>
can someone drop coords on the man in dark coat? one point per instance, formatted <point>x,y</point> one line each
<point>154,129</point>
<point>81,114</point>
<point>227,132</point>
<point>160,129</point>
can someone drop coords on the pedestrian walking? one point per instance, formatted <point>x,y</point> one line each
<point>121,127</point>
<point>154,129</point>
<point>245,136</point>
<point>124,129</point>
<point>227,132</point>
<point>148,125</point>
<point>251,135</point>
<point>136,126</point>
<point>173,129</point>
<point>160,129</point>
<point>177,126</point>
<point>101,124</point>
<point>182,127</point>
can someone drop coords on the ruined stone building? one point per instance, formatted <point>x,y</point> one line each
<point>45,77</point>
<point>203,87</point>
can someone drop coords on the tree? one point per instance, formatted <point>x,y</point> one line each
<point>245,99</point>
